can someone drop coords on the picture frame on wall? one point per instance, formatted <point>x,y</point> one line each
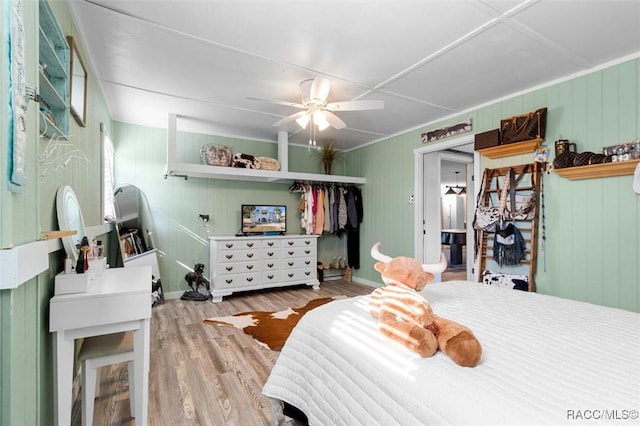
<point>78,85</point>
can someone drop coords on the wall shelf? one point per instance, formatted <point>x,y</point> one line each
<point>53,56</point>
<point>186,170</point>
<point>507,150</point>
<point>592,171</point>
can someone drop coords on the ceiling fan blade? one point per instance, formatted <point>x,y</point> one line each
<point>334,120</point>
<point>354,105</point>
<point>276,101</point>
<point>320,89</point>
<point>289,118</point>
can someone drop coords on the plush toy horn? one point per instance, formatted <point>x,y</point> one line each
<point>375,253</point>
<point>436,268</point>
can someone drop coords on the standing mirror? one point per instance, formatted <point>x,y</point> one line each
<point>70,219</point>
<point>78,85</point>
<point>135,228</point>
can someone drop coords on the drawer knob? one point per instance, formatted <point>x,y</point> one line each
<point>229,245</point>
<point>269,253</point>
<point>290,263</point>
<point>306,262</point>
<point>249,279</point>
<point>270,277</point>
<point>290,243</point>
<point>229,256</point>
<point>270,265</point>
<point>290,275</point>
<point>249,244</point>
<point>291,253</point>
<point>270,243</point>
<point>249,255</point>
<point>307,273</point>
<point>249,267</point>
<point>307,251</point>
<point>228,281</point>
<point>307,242</point>
<point>229,268</point>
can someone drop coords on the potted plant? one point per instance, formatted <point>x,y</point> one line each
<point>327,154</point>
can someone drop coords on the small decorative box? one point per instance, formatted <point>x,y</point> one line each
<point>487,139</point>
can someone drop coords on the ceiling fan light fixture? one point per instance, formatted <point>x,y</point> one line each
<point>320,120</point>
<point>303,120</point>
<point>305,90</point>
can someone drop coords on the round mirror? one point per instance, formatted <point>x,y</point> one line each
<point>70,219</point>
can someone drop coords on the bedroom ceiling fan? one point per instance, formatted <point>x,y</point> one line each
<point>317,111</point>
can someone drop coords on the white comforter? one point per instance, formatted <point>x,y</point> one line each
<point>545,360</point>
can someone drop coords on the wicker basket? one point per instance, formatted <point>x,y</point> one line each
<point>215,155</point>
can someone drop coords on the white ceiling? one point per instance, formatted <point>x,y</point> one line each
<point>427,60</point>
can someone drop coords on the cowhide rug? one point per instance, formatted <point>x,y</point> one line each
<point>269,328</point>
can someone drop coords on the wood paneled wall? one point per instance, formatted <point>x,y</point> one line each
<point>592,248</point>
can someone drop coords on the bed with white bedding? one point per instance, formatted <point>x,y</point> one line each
<point>546,360</point>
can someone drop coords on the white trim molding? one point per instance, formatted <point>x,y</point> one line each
<point>21,263</point>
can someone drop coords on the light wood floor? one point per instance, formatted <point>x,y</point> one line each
<point>202,374</point>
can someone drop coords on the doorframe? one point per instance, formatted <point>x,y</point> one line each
<point>420,188</point>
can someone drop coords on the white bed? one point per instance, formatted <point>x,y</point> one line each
<point>545,360</point>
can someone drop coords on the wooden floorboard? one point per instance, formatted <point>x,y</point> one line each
<point>202,374</point>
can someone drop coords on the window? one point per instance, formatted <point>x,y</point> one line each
<point>107,176</point>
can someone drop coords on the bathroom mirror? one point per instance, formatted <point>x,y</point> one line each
<point>134,227</point>
<point>70,219</point>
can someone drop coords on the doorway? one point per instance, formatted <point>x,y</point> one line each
<point>435,168</point>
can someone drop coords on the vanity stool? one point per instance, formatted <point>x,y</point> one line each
<point>100,351</point>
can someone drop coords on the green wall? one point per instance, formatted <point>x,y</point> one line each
<point>26,374</point>
<point>592,226</point>
<point>176,203</point>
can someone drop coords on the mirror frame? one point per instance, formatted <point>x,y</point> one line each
<point>70,218</point>
<point>77,84</point>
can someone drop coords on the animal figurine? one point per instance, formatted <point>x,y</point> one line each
<point>196,278</point>
<point>406,317</point>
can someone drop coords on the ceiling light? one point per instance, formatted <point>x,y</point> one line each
<point>303,120</point>
<point>450,191</point>
<point>463,191</point>
<point>320,120</point>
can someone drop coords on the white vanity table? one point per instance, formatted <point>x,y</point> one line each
<point>118,300</point>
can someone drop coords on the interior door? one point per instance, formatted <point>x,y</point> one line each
<point>432,217</point>
<point>432,203</point>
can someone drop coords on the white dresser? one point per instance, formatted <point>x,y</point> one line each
<point>252,263</point>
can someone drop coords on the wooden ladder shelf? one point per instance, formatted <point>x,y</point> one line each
<point>494,180</point>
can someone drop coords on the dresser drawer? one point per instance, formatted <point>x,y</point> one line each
<point>297,274</point>
<point>225,256</point>
<point>271,265</point>
<point>288,252</point>
<point>271,253</point>
<point>298,242</point>
<point>239,244</point>
<point>233,268</point>
<point>271,244</point>
<point>296,263</point>
<point>271,277</point>
<point>237,281</point>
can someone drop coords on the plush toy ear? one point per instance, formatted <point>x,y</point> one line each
<point>426,279</point>
<point>380,267</point>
